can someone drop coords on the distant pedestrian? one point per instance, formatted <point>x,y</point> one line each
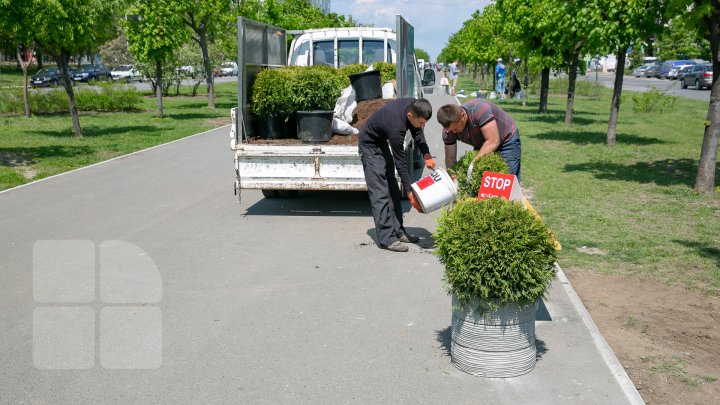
<point>454,74</point>
<point>500,78</point>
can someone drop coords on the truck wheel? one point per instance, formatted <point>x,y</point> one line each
<point>271,193</point>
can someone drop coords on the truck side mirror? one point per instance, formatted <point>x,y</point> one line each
<point>428,77</point>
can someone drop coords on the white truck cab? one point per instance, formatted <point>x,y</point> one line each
<point>340,47</point>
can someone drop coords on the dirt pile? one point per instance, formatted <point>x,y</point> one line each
<point>365,109</point>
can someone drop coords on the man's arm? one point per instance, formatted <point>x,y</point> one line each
<point>450,155</point>
<point>491,134</point>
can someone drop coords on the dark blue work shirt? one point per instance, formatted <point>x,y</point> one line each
<point>389,125</point>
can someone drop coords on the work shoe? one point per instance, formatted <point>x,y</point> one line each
<point>396,247</point>
<point>407,238</point>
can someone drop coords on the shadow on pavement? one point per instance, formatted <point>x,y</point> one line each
<point>314,203</point>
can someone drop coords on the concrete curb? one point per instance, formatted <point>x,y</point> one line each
<point>110,160</point>
<point>606,352</point>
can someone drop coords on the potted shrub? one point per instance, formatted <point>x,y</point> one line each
<point>270,101</point>
<point>498,261</point>
<point>313,92</point>
<point>469,187</point>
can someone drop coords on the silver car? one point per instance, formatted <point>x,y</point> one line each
<point>699,76</point>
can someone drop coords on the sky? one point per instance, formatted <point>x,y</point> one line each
<point>434,20</point>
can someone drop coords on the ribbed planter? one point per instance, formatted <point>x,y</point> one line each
<point>495,344</point>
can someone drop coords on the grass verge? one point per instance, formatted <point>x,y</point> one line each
<point>44,145</point>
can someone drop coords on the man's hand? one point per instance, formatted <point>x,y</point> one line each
<point>414,202</point>
<point>429,162</point>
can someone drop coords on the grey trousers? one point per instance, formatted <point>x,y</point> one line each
<point>383,190</point>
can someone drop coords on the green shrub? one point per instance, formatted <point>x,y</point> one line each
<point>653,101</point>
<point>315,88</point>
<point>496,251</point>
<point>10,100</point>
<point>270,92</point>
<point>492,162</point>
<point>108,98</point>
<point>387,71</point>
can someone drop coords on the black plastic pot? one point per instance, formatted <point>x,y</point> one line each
<point>271,126</point>
<point>314,126</point>
<point>366,85</point>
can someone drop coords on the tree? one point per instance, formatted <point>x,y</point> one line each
<point>422,54</point>
<point>705,16</point>
<point>621,24</point>
<point>680,41</point>
<point>16,24</point>
<point>155,29</point>
<point>63,28</point>
<point>203,17</point>
<point>528,26</point>
<point>115,52</point>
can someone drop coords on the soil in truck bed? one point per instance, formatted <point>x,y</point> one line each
<point>363,111</point>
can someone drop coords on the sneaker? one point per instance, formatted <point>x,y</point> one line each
<point>407,238</point>
<point>396,247</point>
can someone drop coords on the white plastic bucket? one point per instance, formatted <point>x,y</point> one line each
<point>434,190</point>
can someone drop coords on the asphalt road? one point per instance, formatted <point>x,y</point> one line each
<point>142,280</point>
<point>669,87</point>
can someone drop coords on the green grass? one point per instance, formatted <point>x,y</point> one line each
<point>44,145</point>
<point>12,76</point>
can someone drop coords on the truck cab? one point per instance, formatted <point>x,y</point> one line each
<point>340,47</point>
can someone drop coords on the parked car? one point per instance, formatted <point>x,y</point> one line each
<point>126,73</point>
<point>683,71</point>
<point>640,70</point>
<point>228,69</point>
<point>668,66</point>
<point>46,77</point>
<point>652,71</point>
<point>699,76</point>
<point>675,70</point>
<point>90,73</point>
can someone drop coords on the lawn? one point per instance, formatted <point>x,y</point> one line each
<point>44,145</point>
<point>627,209</point>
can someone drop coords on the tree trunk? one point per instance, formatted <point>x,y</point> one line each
<point>572,77</point>
<point>474,71</point>
<point>24,65</point>
<point>544,86</point>
<point>39,58</point>
<point>159,88</point>
<point>208,66</point>
<point>527,81</point>
<point>705,180</point>
<point>617,93</point>
<point>63,60</point>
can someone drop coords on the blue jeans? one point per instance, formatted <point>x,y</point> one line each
<point>510,151</point>
<point>500,88</point>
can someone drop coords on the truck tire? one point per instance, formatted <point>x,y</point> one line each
<point>271,193</point>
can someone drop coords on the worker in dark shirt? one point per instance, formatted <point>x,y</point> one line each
<point>383,132</point>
